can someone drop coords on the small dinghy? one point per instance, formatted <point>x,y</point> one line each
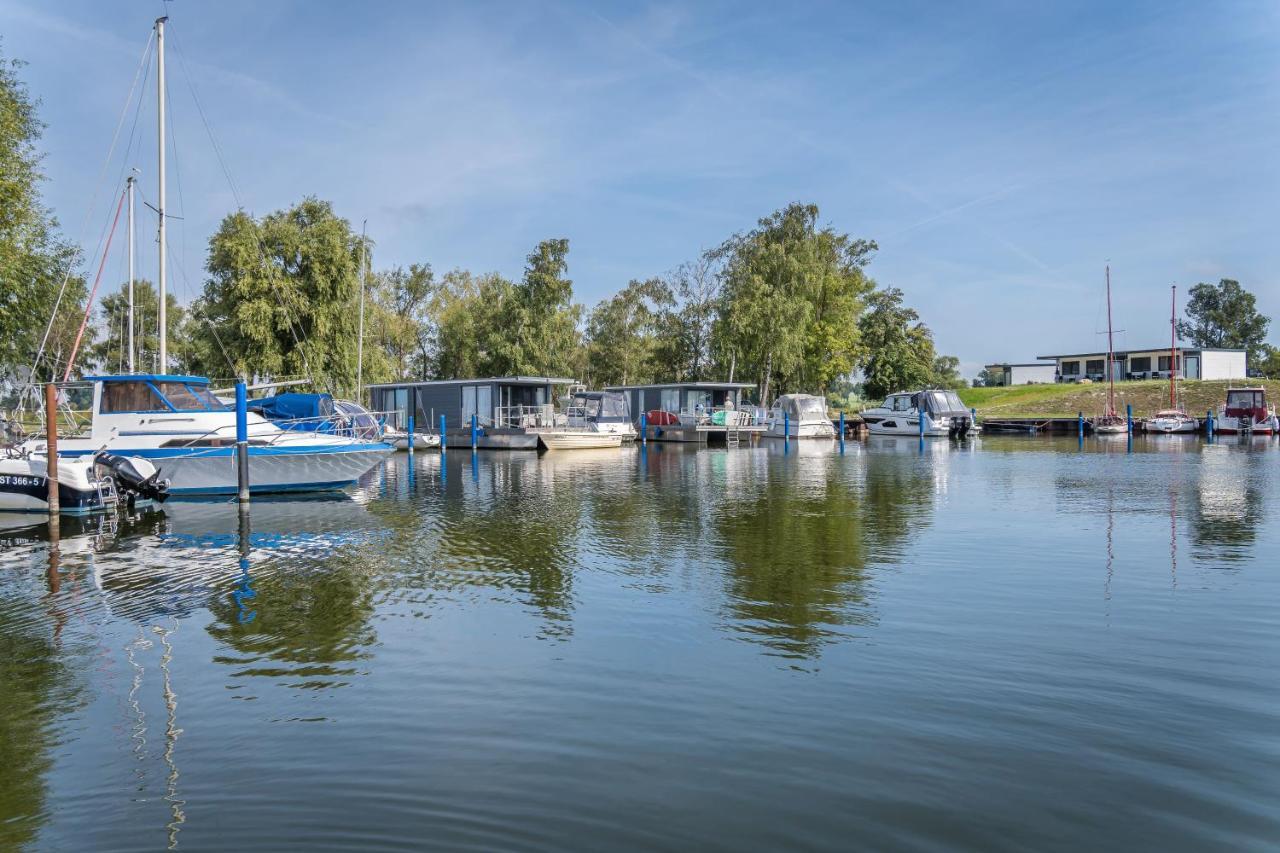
<point>86,484</point>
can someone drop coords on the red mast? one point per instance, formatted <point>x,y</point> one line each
<point>1111,361</point>
<point>1173,349</point>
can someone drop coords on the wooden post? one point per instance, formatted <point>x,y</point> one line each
<point>51,446</point>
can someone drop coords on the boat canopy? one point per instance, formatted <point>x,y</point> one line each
<point>940,402</point>
<point>603,406</point>
<point>800,406</point>
<point>156,393</point>
<point>307,410</point>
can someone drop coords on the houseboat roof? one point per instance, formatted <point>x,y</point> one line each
<point>707,385</point>
<point>1163,348</point>
<point>500,380</point>
<point>151,377</point>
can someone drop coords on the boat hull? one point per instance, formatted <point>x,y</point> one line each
<point>812,429</point>
<point>584,440</point>
<point>24,487</point>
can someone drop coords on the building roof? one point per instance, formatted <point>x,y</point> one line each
<point>710,386</point>
<point>500,380</point>
<point>1123,351</point>
<point>1049,363</point>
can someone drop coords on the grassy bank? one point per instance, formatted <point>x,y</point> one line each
<point>1025,401</point>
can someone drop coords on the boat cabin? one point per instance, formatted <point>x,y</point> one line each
<point>1246,403</point>
<point>689,397</point>
<point>507,401</point>
<point>602,407</point>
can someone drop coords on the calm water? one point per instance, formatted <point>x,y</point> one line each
<point>1006,646</point>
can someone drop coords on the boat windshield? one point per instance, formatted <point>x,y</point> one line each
<point>185,397</point>
<point>1248,399</point>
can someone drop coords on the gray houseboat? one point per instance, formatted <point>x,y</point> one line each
<point>509,410</point>
<point>693,411</point>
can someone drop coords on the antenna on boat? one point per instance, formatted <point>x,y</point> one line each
<point>164,344</point>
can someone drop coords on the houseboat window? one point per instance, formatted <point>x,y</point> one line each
<point>190,398</point>
<point>1070,368</point>
<point>1141,365</point>
<point>670,401</point>
<point>694,399</point>
<point>130,397</point>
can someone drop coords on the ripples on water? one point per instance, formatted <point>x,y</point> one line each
<point>1008,645</point>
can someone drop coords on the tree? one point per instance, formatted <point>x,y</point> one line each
<point>898,352</point>
<point>465,325</point>
<point>791,297</point>
<point>111,353</point>
<point>537,333</point>
<point>946,372</point>
<point>1269,363</point>
<point>989,378</point>
<point>622,334</point>
<point>402,300</point>
<point>1225,315</point>
<point>282,295</point>
<point>34,260</point>
<point>686,323</point>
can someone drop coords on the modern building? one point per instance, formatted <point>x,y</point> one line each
<point>1154,363</point>
<point>1029,373</point>
<point>502,405</point>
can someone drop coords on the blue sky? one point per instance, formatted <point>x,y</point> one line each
<point>1000,153</point>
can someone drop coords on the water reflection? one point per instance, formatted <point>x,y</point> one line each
<point>1229,500</point>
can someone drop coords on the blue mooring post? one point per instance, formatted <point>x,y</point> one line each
<point>474,433</point>
<point>973,420</point>
<point>644,428</point>
<point>1080,427</point>
<point>410,428</point>
<point>442,448</point>
<point>1128,413</point>
<point>842,431</point>
<point>1208,423</point>
<point>786,430</point>
<point>242,442</point>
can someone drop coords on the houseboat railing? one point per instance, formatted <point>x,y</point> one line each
<point>525,417</point>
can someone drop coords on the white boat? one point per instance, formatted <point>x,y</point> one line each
<point>1172,421</point>
<point>177,424</point>
<point>600,411</point>
<point>901,412</point>
<point>1175,418</point>
<point>799,416</point>
<point>1247,411</point>
<point>87,484</point>
<point>577,439</point>
<point>399,439</point>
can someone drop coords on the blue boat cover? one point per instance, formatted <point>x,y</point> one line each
<point>296,411</point>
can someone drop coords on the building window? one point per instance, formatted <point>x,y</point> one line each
<point>1163,363</point>
<point>1070,368</point>
<point>1094,366</point>
<point>1140,365</point>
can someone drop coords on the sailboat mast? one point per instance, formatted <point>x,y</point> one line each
<point>164,337</point>
<point>1173,348</point>
<point>131,364</point>
<point>1111,362</point>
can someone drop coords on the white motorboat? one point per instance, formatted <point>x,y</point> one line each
<point>799,416</point>
<point>1172,421</point>
<point>91,483</point>
<point>600,411</point>
<point>1247,411</point>
<point>399,439</point>
<point>177,424</point>
<point>901,413</point>
<point>577,439</point>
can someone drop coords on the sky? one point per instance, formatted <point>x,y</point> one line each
<point>1001,154</point>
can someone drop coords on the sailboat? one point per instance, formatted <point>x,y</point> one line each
<point>1110,423</point>
<point>178,425</point>
<point>1175,418</point>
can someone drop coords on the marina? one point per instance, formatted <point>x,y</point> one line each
<point>772,631</point>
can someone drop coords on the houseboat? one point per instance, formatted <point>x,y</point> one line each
<point>697,412</point>
<point>509,411</point>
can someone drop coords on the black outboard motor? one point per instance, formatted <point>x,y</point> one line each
<point>134,477</point>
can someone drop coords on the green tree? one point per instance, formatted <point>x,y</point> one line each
<point>989,378</point>
<point>622,334</point>
<point>537,333</point>
<point>465,316</point>
<point>899,351</point>
<point>111,353</point>
<point>1225,315</point>
<point>282,294</point>
<point>946,372</point>
<point>34,260</point>
<point>401,302</point>
<point>1269,362</point>
<point>686,323</point>
<point>791,297</point>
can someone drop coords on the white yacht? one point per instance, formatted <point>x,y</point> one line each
<point>177,424</point>
<point>901,413</point>
<point>1171,421</point>
<point>799,416</point>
